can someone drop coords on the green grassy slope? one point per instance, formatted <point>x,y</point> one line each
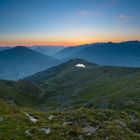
<point>102,87</point>
<point>20,93</point>
<point>69,125</point>
<point>94,102</point>
<point>67,86</point>
<point>115,93</point>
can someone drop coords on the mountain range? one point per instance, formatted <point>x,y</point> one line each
<point>76,99</point>
<point>4,48</point>
<point>106,54</point>
<point>47,50</point>
<point>20,61</point>
<point>68,97</point>
<point>68,85</point>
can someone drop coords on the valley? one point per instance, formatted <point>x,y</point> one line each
<point>69,69</point>
<point>76,99</point>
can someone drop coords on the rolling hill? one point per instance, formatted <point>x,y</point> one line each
<point>75,100</point>
<point>77,83</point>
<point>20,93</point>
<point>21,61</point>
<point>99,86</point>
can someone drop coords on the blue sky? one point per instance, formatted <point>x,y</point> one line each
<point>68,22</point>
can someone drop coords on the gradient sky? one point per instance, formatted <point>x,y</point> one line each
<point>68,22</point>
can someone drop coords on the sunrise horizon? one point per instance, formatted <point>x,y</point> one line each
<point>68,23</point>
<point>63,44</point>
<point>70,69</point>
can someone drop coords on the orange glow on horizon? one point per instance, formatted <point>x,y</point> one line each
<point>67,42</point>
<point>43,43</point>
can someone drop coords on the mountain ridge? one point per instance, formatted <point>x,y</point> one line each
<point>21,61</point>
<point>67,85</point>
<point>105,54</point>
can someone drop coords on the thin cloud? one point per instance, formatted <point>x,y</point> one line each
<point>84,13</point>
<point>123,16</point>
<point>91,13</point>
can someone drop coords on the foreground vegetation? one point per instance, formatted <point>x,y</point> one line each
<point>71,103</point>
<point>82,123</point>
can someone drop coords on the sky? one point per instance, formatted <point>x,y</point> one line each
<point>68,22</point>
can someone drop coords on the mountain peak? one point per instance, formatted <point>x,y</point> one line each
<point>71,66</point>
<point>22,48</point>
<point>80,61</point>
<point>21,61</point>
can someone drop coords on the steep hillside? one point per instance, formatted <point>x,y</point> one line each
<point>21,61</point>
<point>20,93</point>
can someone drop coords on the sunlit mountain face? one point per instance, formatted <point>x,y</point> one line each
<point>68,23</point>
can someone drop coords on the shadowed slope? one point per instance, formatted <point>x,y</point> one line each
<point>21,61</point>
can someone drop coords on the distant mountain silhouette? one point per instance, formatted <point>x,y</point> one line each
<point>4,48</point>
<point>47,50</point>
<point>111,54</point>
<point>21,61</point>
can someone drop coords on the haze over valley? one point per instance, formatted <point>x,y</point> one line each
<point>69,70</point>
